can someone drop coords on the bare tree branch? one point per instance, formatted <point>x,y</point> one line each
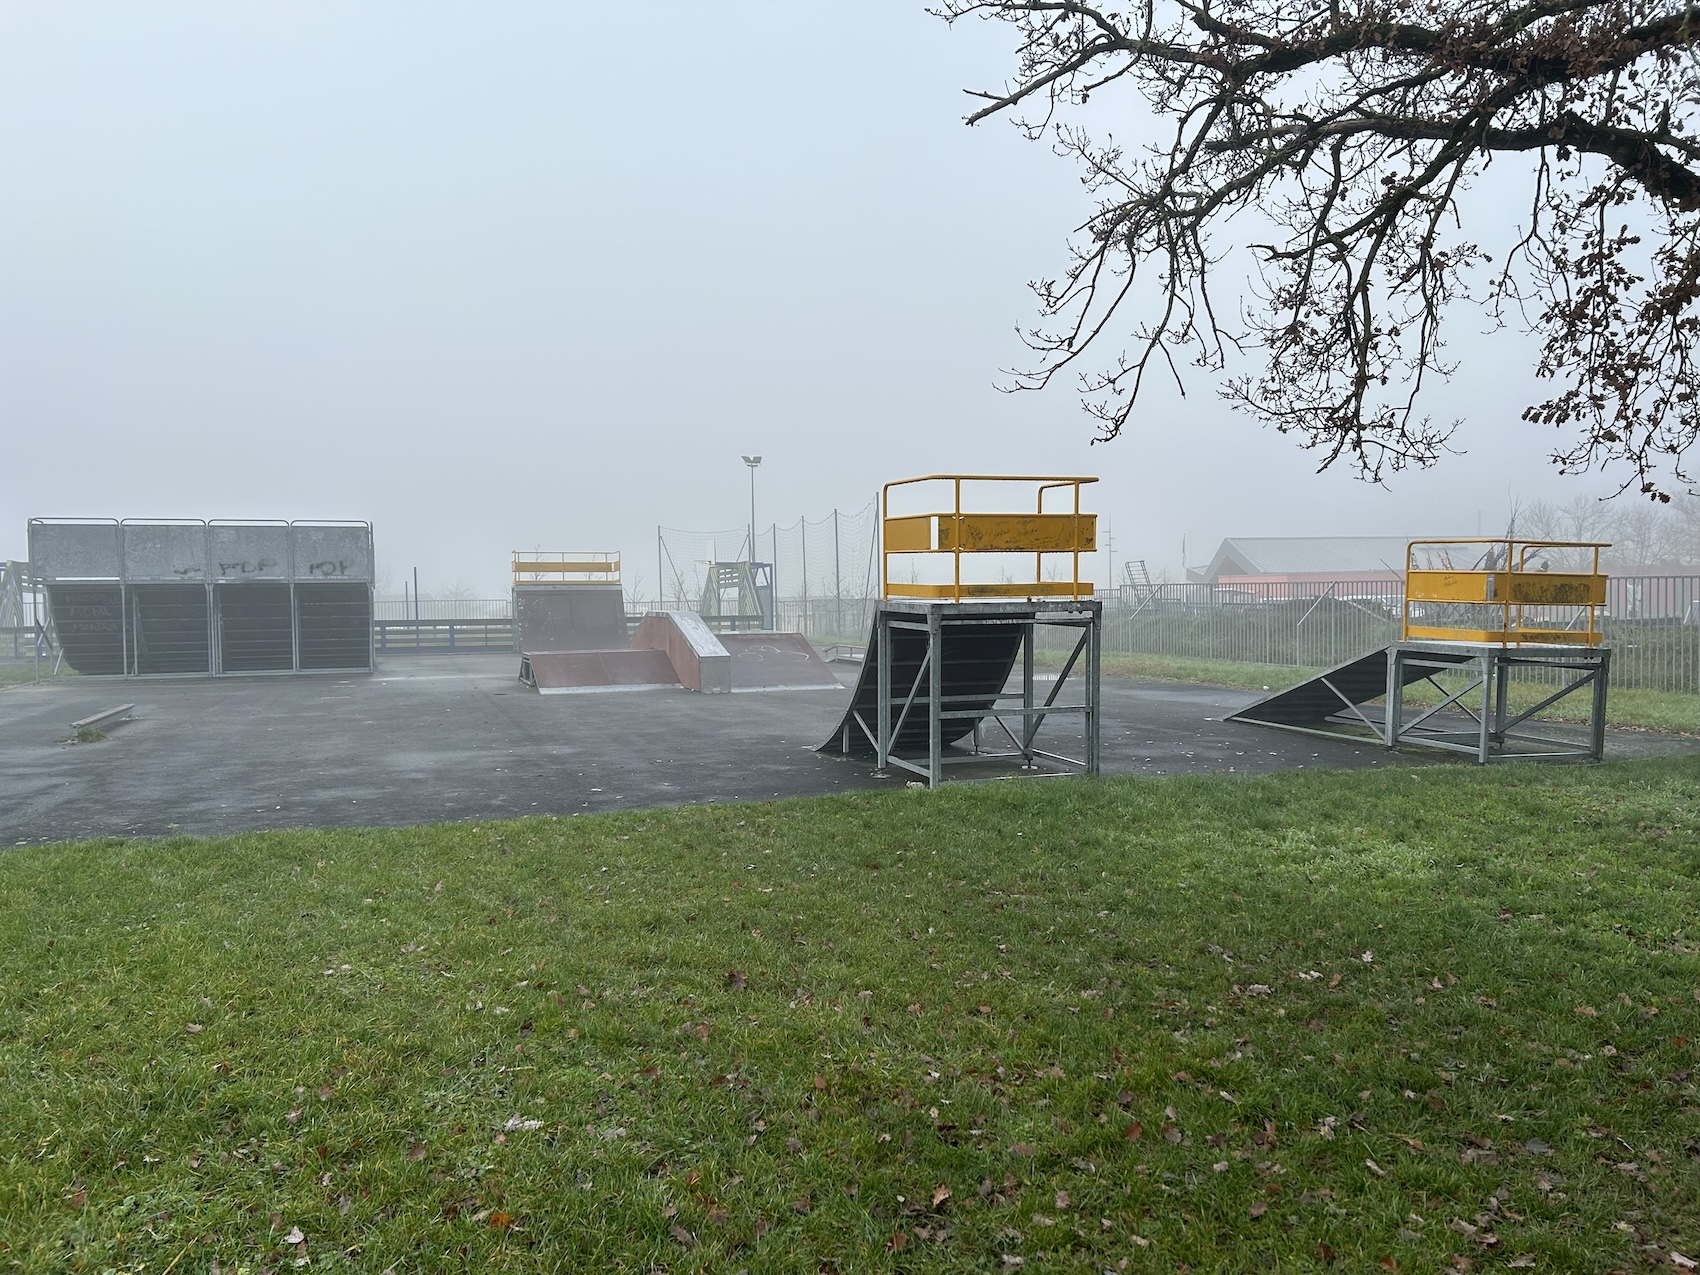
<point>1355,128</point>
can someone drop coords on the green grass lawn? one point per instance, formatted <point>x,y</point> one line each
<point>1642,709</point>
<point>1414,1019</point>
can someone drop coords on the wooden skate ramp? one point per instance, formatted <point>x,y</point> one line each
<point>776,662</point>
<point>569,617</point>
<point>587,672</point>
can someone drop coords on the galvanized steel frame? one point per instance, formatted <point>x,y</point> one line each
<point>1495,734</point>
<point>935,619</point>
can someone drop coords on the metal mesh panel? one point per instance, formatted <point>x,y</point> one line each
<point>335,625</point>
<point>89,622</point>
<point>256,629</point>
<point>168,629</point>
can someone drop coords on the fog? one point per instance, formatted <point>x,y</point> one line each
<point>537,274</point>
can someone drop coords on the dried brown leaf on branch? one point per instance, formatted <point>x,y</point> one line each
<point>1338,141</point>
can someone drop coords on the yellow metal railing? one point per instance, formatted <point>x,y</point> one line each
<point>961,532</point>
<point>1508,588</point>
<point>566,567</point>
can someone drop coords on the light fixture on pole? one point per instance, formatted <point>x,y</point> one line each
<point>752,462</point>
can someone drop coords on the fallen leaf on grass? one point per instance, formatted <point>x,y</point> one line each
<point>682,1235</point>
<point>500,1220</point>
<point>417,1151</point>
<point>736,980</point>
<point>295,1236</point>
<point>194,1029</point>
<point>897,1243</point>
<point>1388,1264</point>
<point>1522,1260</point>
<point>1172,1133</point>
<point>1259,1209</point>
<point>517,1123</point>
<point>1134,1131</point>
<point>1586,1011</point>
<point>1375,1168</point>
<point>941,1193</point>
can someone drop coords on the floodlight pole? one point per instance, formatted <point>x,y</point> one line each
<point>752,462</point>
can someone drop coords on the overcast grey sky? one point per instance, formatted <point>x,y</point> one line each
<point>536,273</point>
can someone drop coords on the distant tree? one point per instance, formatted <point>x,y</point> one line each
<point>1663,535</point>
<point>1342,135</point>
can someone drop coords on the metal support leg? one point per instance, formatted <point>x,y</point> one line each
<point>1490,671</point>
<point>935,698</point>
<point>882,716</point>
<point>1597,717</point>
<point>1395,698</point>
<point>1029,724</point>
<point>1094,691</point>
<point>1501,696</point>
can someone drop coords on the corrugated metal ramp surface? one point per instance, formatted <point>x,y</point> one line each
<point>977,660</point>
<point>1310,704</point>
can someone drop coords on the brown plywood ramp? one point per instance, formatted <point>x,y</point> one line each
<point>569,617</point>
<point>582,672</point>
<point>776,662</point>
<point>699,660</point>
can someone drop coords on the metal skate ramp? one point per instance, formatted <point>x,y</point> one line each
<point>977,661</point>
<point>1342,690</point>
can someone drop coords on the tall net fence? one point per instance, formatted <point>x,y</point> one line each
<point>682,564</point>
<point>821,575</point>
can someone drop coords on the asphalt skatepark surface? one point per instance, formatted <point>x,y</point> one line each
<point>428,739</point>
